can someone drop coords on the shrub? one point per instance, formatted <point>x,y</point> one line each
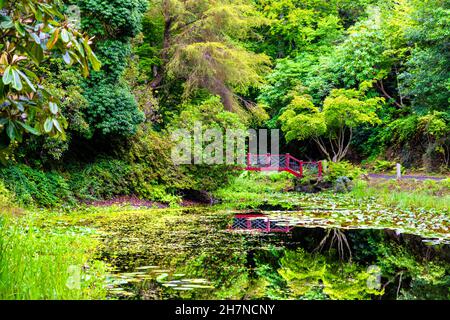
<point>335,170</point>
<point>32,186</point>
<point>101,180</point>
<point>384,166</point>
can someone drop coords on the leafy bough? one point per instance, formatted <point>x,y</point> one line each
<point>30,32</point>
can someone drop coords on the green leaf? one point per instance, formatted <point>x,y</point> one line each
<point>57,125</point>
<point>65,36</point>
<point>66,58</point>
<point>20,29</point>
<point>11,131</point>
<point>53,39</point>
<point>29,129</point>
<point>6,23</point>
<point>35,52</point>
<point>53,107</point>
<point>7,76</point>
<point>96,64</point>
<point>48,125</point>
<point>28,82</point>
<point>16,82</point>
<point>35,38</point>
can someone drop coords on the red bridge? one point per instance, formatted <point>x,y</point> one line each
<point>282,162</point>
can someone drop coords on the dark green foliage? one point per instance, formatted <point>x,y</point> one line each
<point>31,186</point>
<point>113,110</point>
<point>101,180</point>
<point>123,17</point>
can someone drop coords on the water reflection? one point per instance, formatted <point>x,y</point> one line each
<point>260,223</point>
<point>204,254</point>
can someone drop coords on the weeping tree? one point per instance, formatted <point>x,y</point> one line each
<point>331,125</point>
<point>201,46</point>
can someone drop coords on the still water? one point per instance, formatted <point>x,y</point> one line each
<point>201,253</point>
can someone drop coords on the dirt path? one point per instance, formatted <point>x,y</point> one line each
<point>390,177</point>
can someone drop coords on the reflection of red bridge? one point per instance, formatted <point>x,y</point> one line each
<point>282,162</point>
<point>259,223</point>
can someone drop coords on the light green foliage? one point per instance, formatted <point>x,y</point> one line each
<point>335,170</point>
<point>210,114</point>
<point>343,110</point>
<point>384,166</point>
<point>306,272</point>
<point>299,26</point>
<point>202,45</point>
<point>35,262</point>
<point>33,31</point>
<point>413,195</point>
<point>5,196</point>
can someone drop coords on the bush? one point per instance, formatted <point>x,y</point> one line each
<point>101,180</point>
<point>384,166</point>
<point>335,170</point>
<point>31,186</point>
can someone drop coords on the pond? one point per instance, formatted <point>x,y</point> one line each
<point>204,253</point>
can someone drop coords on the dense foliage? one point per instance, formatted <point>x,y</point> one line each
<point>343,80</point>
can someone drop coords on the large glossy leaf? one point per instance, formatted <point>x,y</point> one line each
<point>53,39</point>
<point>48,125</point>
<point>27,81</point>
<point>65,36</point>
<point>66,58</point>
<point>7,76</point>
<point>11,130</point>
<point>6,22</point>
<point>57,125</point>
<point>16,82</point>
<point>20,29</point>
<point>35,52</point>
<point>53,107</point>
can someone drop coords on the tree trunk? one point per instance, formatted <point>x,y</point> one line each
<point>164,53</point>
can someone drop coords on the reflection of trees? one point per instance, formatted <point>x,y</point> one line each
<point>306,273</point>
<point>339,239</point>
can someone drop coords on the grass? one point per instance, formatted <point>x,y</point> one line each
<point>39,263</point>
<point>406,194</point>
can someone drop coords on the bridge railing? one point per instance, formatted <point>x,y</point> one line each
<point>272,162</point>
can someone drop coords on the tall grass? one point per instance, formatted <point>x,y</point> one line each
<point>406,199</point>
<point>43,263</point>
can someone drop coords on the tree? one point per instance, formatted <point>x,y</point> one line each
<point>426,79</point>
<point>202,46</point>
<point>31,32</point>
<point>331,126</point>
